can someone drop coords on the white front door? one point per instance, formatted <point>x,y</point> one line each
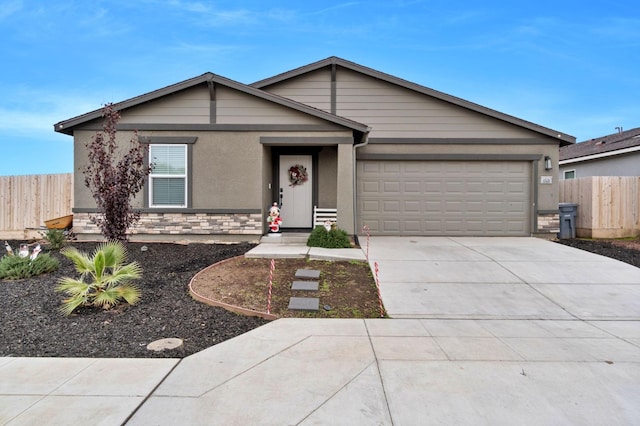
<point>296,195</point>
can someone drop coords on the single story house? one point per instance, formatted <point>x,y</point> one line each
<point>617,154</point>
<point>386,153</point>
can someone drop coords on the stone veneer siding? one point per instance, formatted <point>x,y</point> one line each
<point>549,223</point>
<point>182,224</point>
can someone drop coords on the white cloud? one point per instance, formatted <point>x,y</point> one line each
<point>209,15</point>
<point>335,7</point>
<point>8,8</point>
<point>40,110</point>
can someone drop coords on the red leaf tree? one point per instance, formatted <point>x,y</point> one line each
<point>114,176</point>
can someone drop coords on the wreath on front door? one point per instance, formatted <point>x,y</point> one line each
<point>297,175</point>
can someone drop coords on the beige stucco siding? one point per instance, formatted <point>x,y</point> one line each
<point>227,171</point>
<point>313,89</point>
<point>234,107</point>
<point>190,106</point>
<point>393,111</point>
<point>82,195</point>
<point>327,177</point>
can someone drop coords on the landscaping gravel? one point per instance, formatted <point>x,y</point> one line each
<point>33,327</point>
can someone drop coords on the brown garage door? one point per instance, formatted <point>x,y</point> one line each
<point>444,197</point>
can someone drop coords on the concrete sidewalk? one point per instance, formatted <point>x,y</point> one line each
<point>490,331</point>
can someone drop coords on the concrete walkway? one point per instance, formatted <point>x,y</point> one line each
<point>485,331</point>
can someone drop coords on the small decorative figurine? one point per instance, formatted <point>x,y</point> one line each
<point>36,252</point>
<point>274,220</point>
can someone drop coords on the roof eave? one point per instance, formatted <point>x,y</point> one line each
<point>67,126</point>
<point>563,138</point>
<point>598,155</point>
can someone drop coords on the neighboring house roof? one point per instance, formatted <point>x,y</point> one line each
<point>333,60</point>
<point>67,126</point>
<point>604,146</point>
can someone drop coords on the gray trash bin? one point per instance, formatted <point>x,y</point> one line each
<point>568,213</point>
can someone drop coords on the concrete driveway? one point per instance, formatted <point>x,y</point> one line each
<point>484,331</point>
<point>501,278</point>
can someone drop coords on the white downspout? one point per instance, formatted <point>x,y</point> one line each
<point>365,142</point>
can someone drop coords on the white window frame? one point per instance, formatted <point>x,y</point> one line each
<point>565,172</point>
<point>184,176</point>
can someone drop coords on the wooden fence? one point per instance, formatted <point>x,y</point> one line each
<point>608,206</point>
<point>27,201</point>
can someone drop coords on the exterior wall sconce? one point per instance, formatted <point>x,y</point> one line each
<point>547,163</point>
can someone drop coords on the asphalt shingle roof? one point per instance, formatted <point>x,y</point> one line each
<point>613,142</point>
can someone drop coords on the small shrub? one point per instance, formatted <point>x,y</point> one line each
<point>55,237</point>
<point>104,278</point>
<point>17,268</point>
<point>335,238</point>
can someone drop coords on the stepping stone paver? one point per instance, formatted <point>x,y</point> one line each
<point>162,344</point>
<point>304,303</point>
<point>307,273</point>
<point>305,285</point>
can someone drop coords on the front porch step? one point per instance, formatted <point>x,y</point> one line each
<point>293,238</point>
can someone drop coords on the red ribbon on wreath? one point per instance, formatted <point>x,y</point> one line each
<point>297,175</point>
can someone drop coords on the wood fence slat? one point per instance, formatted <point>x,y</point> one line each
<point>608,206</point>
<point>27,201</point>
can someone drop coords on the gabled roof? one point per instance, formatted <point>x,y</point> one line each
<point>67,126</point>
<point>604,146</point>
<point>563,138</point>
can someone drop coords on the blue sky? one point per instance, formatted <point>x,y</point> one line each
<point>573,66</point>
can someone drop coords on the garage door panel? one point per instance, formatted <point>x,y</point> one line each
<point>516,208</point>
<point>516,187</point>
<point>453,226</point>
<point>391,189</point>
<point>412,187</point>
<point>412,226</point>
<point>391,226</point>
<point>475,207</point>
<point>444,198</point>
<point>514,226</point>
<point>371,187</point>
<point>412,167</point>
<point>370,167</point>
<point>454,186</point>
<point>433,207</point>
<point>391,207</point>
<point>391,167</point>
<point>453,208</point>
<point>370,207</point>
<point>412,206</point>
<point>373,225</point>
<point>474,226</point>
<point>494,207</point>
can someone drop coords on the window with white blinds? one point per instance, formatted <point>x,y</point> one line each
<point>168,179</point>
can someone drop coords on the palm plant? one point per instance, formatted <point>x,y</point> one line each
<point>104,278</point>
